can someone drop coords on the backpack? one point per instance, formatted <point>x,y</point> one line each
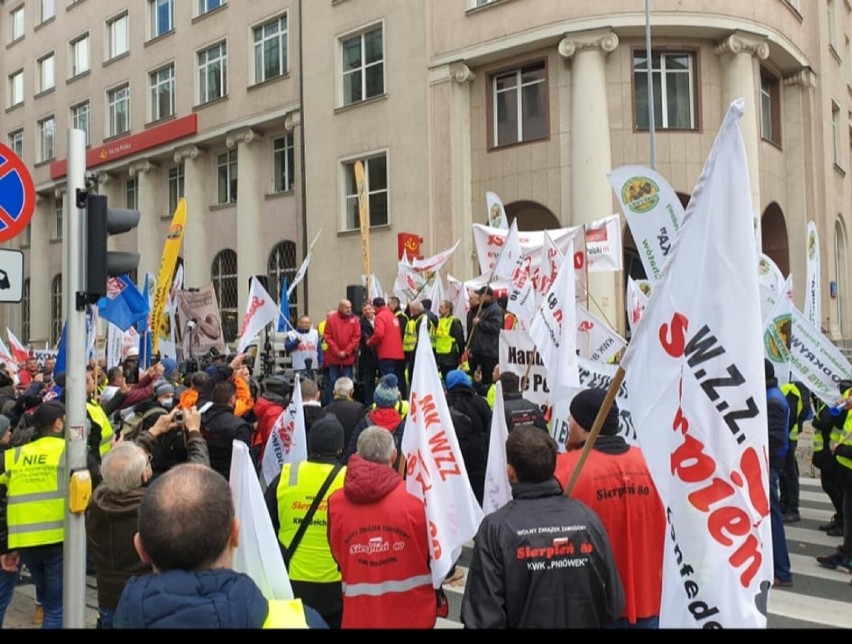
<point>134,424</point>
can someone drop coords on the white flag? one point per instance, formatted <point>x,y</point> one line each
<point>496,213</point>
<point>777,331</point>
<point>771,282</point>
<point>596,340</point>
<point>551,260</point>
<point>260,311</point>
<point>457,293</point>
<point>287,442</point>
<point>300,274</point>
<point>653,213</point>
<point>7,358</point>
<point>513,266</point>
<point>603,244</point>
<point>815,360</point>
<point>498,491</point>
<point>701,415</point>
<point>637,299</point>
<point>435,470</point>
<point>434,263</point>
<point>813,292</point>
<point>258,555</point>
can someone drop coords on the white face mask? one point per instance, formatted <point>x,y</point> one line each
<point>167,403</point>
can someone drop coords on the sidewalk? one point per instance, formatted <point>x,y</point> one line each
<point>20,611</point>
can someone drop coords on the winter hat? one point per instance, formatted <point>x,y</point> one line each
<point>768,369</point>
<point>169,366</point>
<point>386,393</point>
<point>457,378</point>
<point>277,385</point>
<point>325,436</point>
<point>584,409</point>
<point>5,425</point>
<point>47,412</point>
<point>164,389</point>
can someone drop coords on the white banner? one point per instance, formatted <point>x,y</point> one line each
<point>551,260</point>
<point>287,442</point>
<point>771,284</point>
<point>637,299</point>
<point>701,414</point>
<point>596,340</point>
<point>518,355</point>
<point>813,293</point>
<point>653,213</point>
<point>498,491</point>
<point>815,360</point>
<point>603,244</point>
<point>457,294</point>
<point>512,266</point>
<point>434,263</point>
<point>777,329</point>
<point>435,470</point>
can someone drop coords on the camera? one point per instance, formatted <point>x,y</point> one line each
<point>179,419</point>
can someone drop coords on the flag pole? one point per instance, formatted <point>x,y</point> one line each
<point>364,217</point>
<point>596,428</point>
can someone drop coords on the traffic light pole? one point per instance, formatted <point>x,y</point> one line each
<point>76,430</point>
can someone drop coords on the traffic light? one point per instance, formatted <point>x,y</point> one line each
<point>101,264</point>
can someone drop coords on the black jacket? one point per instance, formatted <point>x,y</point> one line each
<point>486,335</point>
<point>473,430</point>
<point>520,411</point>
<point>220,427</point>
<point>348,412</point>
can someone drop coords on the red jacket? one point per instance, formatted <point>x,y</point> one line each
<point>378,536</point>
<point>341,333</point>
<point>619,488</point>
<point>267,412</point>
<point>386,338</point>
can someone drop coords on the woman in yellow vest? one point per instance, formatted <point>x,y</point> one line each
<point>100,430</point>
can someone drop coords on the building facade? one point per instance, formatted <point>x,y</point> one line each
<point>443,100</point>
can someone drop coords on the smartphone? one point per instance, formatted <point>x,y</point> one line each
<point>179,418</point>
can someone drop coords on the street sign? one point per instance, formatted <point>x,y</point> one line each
<point>17,195</point>
<point>11,275</point>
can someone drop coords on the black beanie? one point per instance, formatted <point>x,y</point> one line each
<point>584,409</point>
<point>325,436</point>
<point>768,369</point>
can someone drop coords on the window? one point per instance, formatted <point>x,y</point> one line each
<point>119,110</point>
<point>213,72</point>
<point>131,194</point>
<point>176,186</point>
<point>48,10</point>
<point>520,105</point>
<point>835,131</point>
<point>46,72</point>
<point>270,49</point>
<point>16,142</point>
<point>281,264</point>
<point>80,118</point>
<point>80,55</point>
<point>284,162</point>
<point>224,275</point>
<point>56,316</point>
<point>208,5</point>
<point>16,24</point>
<point>227,169</point>
<point>57,218</point>
<point>163,92</point>
<point>376,178</point>
<point>770,108</point>
<point>25,311</point>
<point>46,136</point>
<point>16,88</point>
<point>118,40</point>
<point>162,17</point>
<point>673,85</point>
<point>363,66</point>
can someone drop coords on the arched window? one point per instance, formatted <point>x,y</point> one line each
<point>55,310</point>
<point>224,277</point>
<point>25,312</point>
<point>281,264</point>
<point>840,275</point>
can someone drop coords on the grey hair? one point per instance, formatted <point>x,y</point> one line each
<point>415,305</point>
<point>376,444</point>
<point>123,466</point>
<point>343,386</point>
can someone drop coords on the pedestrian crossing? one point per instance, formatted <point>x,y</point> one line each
<point>819,598</point>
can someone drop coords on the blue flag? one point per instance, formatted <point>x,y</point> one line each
<point>61,350</point>
<point>123,305</point>
<point>285,307</point>
<point>59,365</point>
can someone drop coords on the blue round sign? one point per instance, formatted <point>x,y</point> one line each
<point>17,194</point>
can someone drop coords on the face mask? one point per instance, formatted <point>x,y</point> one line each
<point>167,403</point>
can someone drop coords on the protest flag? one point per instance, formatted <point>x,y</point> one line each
<point>287,442</point>
<point>168,262</point>
<point>260,311</point>
<point>123,305</point>
<point>284,306</point>
<point>498,491</point>
<point>19,351</point>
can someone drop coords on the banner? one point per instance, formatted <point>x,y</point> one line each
<point>815,361</point>
<point>19,351</point>
<point>496,213</point>
<point>770,282</point>
<point>435,470</point>
<point>498,490</point>
<point>168,323</point>
<point>259,555</point>
<point>198,315</point>
<point>513,267</point>
<point>637,299</point>
<point>168,262</point>
<point>551,260</point>
<point>596,340</point>
<point>435,263</point>
<point>518,355</point>
<point>653,213</point>
<point>287,442</point>
<point>701,414</point>
<point>813,294</point>
<point>457,294</point>
<point>7,359</point>
<point>777,331</point>
<point>261,310</point>
<point>603,245</point>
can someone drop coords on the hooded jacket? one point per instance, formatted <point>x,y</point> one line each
<point>220,428</point>
<point>267,409</point>
<point>379,537</point>
<point>387,417</point>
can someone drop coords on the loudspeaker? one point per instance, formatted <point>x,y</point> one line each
<point>356,294</point>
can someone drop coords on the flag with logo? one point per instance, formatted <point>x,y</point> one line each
<point>168,323</point>
<point>596,340</point>
<point>813,291</point>
<point>123,305</point>
<point>260,311</point>
<point>701,415</point>
<point>815,360</point>
<point>637,299</point>
<point>551,260</point>
<point>513,267</point>
<point>777,333</point>
<point>7,358</point>
<point>498,490</point>
<point>168,262</point>
<point>603,244</point>
<point>435,470</point>
<point>19,352</point>
<point>287,442</point>
<point>496,213</point>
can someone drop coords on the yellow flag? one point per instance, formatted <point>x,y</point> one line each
<point>364,215</point>
<point>168,261</point>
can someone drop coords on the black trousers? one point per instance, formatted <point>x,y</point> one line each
<point>790,480</point>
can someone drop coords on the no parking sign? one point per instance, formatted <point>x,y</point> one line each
<point>17,195</point>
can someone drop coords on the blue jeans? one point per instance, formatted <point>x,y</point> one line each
<point>8,581</point>
<point>45,566</point>
<point>334,372</point>
<point>779,540</point>
<point>105,617</point>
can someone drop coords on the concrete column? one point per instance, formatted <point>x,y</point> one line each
<point>40,277</point>
<point>149,240</point>
<point>460,174</point>
<point>196,269</point>
<point>251,260</point>
<point>591,158</point>
<point>740,78</point>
